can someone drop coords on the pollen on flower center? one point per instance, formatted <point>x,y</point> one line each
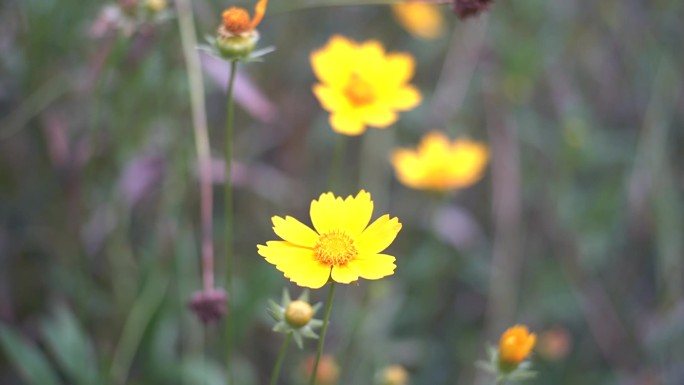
<point>359,91</point>
<point>335,248</point>
<point>236,20</point>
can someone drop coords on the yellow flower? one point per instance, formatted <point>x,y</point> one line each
<point>516,344</point>
<point>342,246</point>
<point>361,85</point>
<point>422,20</point>
<point>394,375</point>
<point>440,165</point>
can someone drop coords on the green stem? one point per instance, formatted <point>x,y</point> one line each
<point>337,162</point>
<point>228,203</point>
<point>279,361</point>
<point>321,340</point>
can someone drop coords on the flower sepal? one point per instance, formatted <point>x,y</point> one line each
<point>236,47</point>
<point>295,317</point>
<point>505,370</point>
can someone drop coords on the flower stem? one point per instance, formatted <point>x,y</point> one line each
<point>337,162</point>
<point>321,340</point>
<point>228,203</point>
<point>279,361</point>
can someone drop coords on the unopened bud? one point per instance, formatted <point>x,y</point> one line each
<point>298,314</point>
<point>470,8</point>
<point>394,375</point>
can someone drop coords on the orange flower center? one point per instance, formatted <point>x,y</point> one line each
<point>359,91</point>
<point>236,20</point>
<point>335,248</point>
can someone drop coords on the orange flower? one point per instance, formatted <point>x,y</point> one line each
<point>516,344</point>
<point>236,20</point>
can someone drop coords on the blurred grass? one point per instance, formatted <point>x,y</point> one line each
<point>591,92</point>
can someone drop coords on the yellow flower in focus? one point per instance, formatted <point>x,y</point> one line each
<point>440,165</point>
<point>362,86</point>
<point>516,344</point>
<point>422,20</point>
<point>342,247</point>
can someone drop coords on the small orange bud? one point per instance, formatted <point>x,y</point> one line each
<point>298,314</point>
<point>236,20</point>
<point>328,370</point>
<point>555,344</point>
<point>516,344</point>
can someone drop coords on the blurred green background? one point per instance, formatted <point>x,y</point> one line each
<point>576,229</point>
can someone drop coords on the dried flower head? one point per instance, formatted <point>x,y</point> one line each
<point>470,8</point>
<point>209,305</point>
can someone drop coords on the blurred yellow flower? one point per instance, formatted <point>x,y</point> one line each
<point>422,20</point>
<point>361,85</point>
<point>342,246</point>
<point>328,370</point>
<point>440,165</point>
<point>516,344</point>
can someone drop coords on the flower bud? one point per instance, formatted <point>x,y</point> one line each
<point>470,8</point>
<point>515,345</point>
<point>298,313</point>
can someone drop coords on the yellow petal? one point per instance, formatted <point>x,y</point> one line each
<point>330,98</point>
<point>333,63</point>
<point>276,252</point>
<point>324,212</point>
<point>378,116</point>
<point>398,69</point>
<point>357,213</point>
<point>294,231</point>
<point>372,266</point>
<point>344,274</point>
<point>310,273</point>
<point>379,235</point>
<point>347,123</point>
<point>402,99</point>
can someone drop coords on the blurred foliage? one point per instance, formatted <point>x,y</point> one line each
<point>577,226</point>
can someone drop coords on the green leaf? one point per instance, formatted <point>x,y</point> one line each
<point>29,361</point>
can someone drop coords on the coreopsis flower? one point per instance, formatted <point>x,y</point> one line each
<point>508,360</point>
<point>237,36</point>
<point>440,165</point>
<point>422,20</point>
<point>328,370</point>
<point>342,246</point>
<point>360,85</point>
<point>295,317</point>
<point>516,344</point>
<point>470,8</point>
<point>393,375</point>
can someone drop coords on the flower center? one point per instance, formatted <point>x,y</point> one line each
<point>236,20</point>
<point>335,248</point>
<point>359,91</point>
